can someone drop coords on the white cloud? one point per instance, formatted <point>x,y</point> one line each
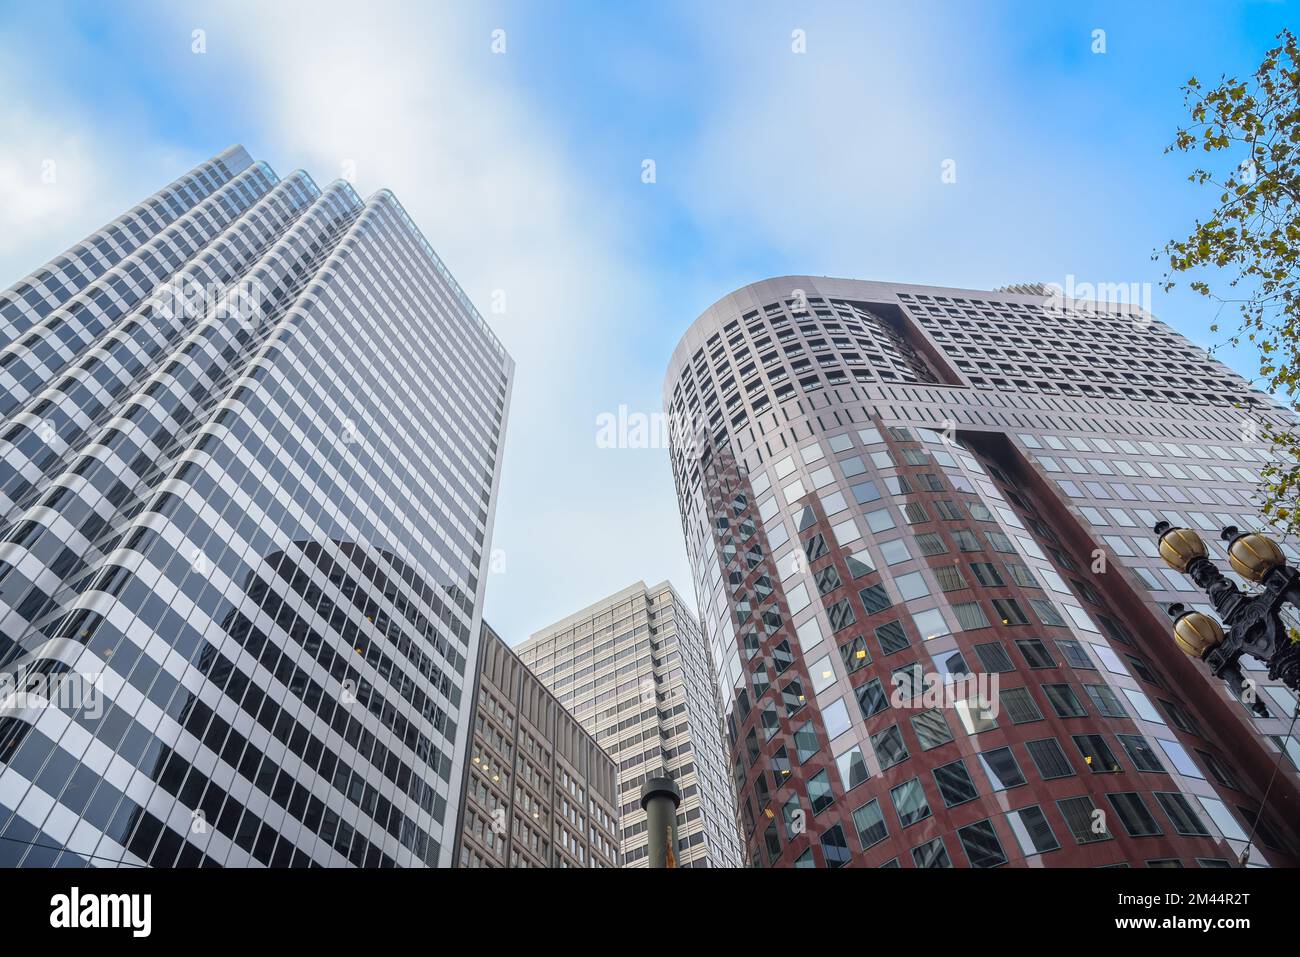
<point>414,100</point>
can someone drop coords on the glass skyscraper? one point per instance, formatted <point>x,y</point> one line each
<point>251,444</point>
<point>920,525</point>
<point>634,670</point>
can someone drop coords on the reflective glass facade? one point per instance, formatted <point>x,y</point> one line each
<point>919,521</point>
<point>634,670</point>
<point>251,444</point>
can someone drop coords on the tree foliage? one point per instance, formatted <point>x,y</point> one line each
<point>1247,252</point>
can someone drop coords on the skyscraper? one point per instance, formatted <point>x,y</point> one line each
<point>634,669</point>
<point>539,791</point>
<point>251,446</point>
<point>919,521</point>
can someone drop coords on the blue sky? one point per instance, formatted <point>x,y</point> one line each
<point>524,169</point>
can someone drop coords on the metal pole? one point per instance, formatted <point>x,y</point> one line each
<point>660,798</point>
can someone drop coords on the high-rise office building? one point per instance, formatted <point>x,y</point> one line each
<point>919,521</point>
<point>539,791</point>
<point>251,444</point>
<point>634,669</point>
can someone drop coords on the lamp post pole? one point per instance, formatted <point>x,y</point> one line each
<point>660,798</point>
<point>1254,622</point>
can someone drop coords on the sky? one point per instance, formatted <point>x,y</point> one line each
<point>783,138</point>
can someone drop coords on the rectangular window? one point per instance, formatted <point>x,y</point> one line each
<point>1049,759</point>
<point>931,729</point>
<point>994,657</point>
<point>986,573</point>
<point>970,615</point>
<point>955,784</point>
<point>1140,753</point>
<point>874,598</point>
<point>892,638</point>
<point>1032,830</point>
<point>1181,814</point>
<point>1009,610</point>
<point>980,841</point>
<point>1001,768</point>
<point>1082,819</point>
<point>870,824</point>
<point>949,577</point>
<point>1020,705</point>
<point>1035,653</point>
<point>931,854</point>
<point>1074,654</point>
<point>889,747</point>
<point>1097,754</point>
<point>909,802</point>
<point>1134,814</point>
<point>1106,701</point>
<point>1064,701</point>
<point>872,698</point>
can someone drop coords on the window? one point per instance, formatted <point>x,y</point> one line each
<point>854,654</point>
<point>872,698</point>
<point>874,598</point>
<point>912,585</point>
<point>1083,820</point>
<point>1133,814</point>
<point>949,577</point>
<point>834,847</point>
<point>1001,769</point>
<point>1097,754</point>
<point>1139,752</point>
<point>931,729</point>
<point>980,841</point>
<point>819,791</point>
<point>891,637</point>
<point>827,580</point>
<point>805,741</point>
<point>835,716</point>
<point>772,842</point>
<point>1106,701</point>
<point>870,824</point>
<point>994,657</point>
<point>909,802</point>
<point>931,854</point>
<point>930,624</point>
<point>1064,701</point>
<point>841,615</point>
<point>1219,770</point>
<point>889,747</point>
<point>1035,653</point>
<point>793,696</point>
<point>1046,612</point>
<point>1181,814</point>
<point>852,767</point>
<point>1074,654</point>
<point>1049,759</point>
<point>955,784</point>
<point>1020,705</point>
<point>970,615</point>
<point>1032,830</point>
<point>1179,758</point>
<point>986,573</point>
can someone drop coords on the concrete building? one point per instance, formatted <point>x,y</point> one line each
<point>634,670</point>
<point>539,791</point>
<point>262,564</point>
<point>919,521</point>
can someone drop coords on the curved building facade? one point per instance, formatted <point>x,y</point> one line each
<point>919,521</point>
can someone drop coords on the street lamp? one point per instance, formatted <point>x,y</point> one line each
<point>1254,622</point>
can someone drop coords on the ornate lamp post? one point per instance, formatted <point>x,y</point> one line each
<point>1254,622</point>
